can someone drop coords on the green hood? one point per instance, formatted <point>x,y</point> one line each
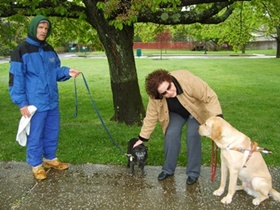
<point>32,29</point>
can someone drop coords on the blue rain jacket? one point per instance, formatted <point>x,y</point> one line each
<point>34,72</point>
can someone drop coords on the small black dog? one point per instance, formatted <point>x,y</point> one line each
<point>138,156</point>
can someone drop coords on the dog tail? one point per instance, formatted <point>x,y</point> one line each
<point>275,194</point>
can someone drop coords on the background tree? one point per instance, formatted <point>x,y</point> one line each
<point>270,19</point>
<point>261,17</point>
<point>235,31</point>
<point>12,31</point>
<point>65,31</point>
<point>114,22</point>
<point>163,38</point>
<point>145,31</point>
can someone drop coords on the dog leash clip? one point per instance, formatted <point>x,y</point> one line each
<point>130,156</point>
<point>264,150</point>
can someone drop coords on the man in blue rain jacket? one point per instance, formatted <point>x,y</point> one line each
<point>34,72</point>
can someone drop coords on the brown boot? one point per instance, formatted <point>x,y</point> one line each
<point>39,172</point>
<point>56,164</point>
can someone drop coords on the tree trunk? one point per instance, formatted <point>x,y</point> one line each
<point>128,106</point>
<point>243,49</point>
<point>278,42</point>
<point>118,44</point>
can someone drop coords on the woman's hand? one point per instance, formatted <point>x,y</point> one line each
<point>137,143</point>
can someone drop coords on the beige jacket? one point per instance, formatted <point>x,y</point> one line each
<point>197,97</point>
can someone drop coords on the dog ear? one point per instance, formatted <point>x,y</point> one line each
<point>216,130</point>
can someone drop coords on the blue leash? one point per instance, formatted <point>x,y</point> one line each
<point>96,110</point>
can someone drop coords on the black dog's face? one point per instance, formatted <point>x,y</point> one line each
<point>140,152</point>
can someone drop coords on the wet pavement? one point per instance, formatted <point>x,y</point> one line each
<point>98,187</point>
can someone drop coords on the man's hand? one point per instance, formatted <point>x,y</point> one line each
<point>25,112</point>
<point>74,73</point>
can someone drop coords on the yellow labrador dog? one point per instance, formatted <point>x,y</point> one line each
<point>241,157</point>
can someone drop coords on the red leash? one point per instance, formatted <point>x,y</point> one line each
<point>214,160</point>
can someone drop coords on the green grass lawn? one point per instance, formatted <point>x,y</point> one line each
<point>271,52</point>
<point>248,90</point>
<point>151,52</point>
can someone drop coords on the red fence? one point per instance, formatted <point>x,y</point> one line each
<point>165,45</point>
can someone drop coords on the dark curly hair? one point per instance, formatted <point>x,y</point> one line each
<point>154,79</point>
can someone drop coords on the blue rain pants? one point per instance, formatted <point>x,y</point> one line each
<point>43,139</point>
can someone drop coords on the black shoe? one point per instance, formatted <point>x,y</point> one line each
<point>191,180</point>
<point>163,176</point>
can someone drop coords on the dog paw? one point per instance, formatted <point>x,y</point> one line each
<point>226,200</point>
<point>256,202</point>
<point>218,192</point>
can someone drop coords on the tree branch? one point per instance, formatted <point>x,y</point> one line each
<point>208,16</point>
<point>12,8</point>
<point>196,2</point>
